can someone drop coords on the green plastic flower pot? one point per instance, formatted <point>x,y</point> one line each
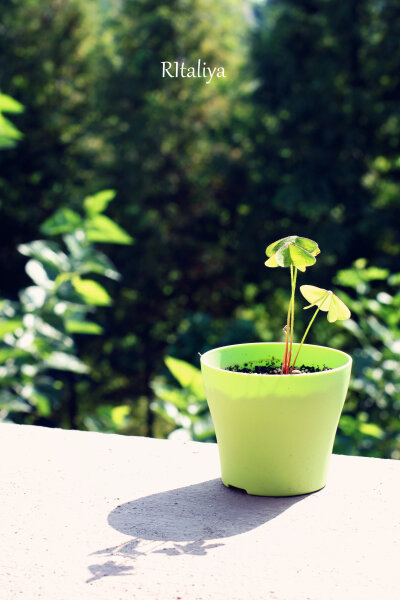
<point>275,433</point>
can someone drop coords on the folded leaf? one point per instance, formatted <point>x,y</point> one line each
<point>327,301</point>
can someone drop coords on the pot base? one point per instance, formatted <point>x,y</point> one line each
<point>269,493</point>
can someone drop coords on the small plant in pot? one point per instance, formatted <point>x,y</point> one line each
<point>276,405</point>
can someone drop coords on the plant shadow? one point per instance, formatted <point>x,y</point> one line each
<point>184,521</point>
<point>199,512</point>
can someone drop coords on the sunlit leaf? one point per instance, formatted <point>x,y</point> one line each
<point>291,254</point>
<point>45,251</point>
<point>174,396</point>
<point>305,243</point>
<point>91,291</point>
<point>9,134</point>
<point>65,362</point>
<point>187,375</point>
<point>271,262</point>
<point>9,326</point>
<point>84,327</point>
<point>100,228</point>
<point>292,251</point>
<point>96,204</point>
<point>10,105</point>
<point>372,429</point>
<point>119,414</point>
<point>38,273</point>
<point>327,301</point>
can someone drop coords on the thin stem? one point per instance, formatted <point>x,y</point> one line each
<point>284,361</point>
<point>294,277</point>
<point>308,329</point>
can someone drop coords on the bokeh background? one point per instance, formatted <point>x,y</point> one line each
<point>135,210</point>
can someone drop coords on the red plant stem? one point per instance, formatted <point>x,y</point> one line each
<point>284,361</point>
<point>293,274</point>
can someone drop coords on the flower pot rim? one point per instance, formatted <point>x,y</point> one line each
<point>320,373</point>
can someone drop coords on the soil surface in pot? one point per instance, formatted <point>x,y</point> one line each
<point>273,367</point>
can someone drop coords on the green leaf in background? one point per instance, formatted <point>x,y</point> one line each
<point>100,228</point>
<point>97,262</point>
<point>33,297</point>
<point>175,396</point>
<point>9,326</point>
<point>187,375</point>
<point>85,327</point>
<point>7,353</point>
<point>64,220</point>
<point>91,291</point>
<point>10,105</point>
<point>38,273</point>
<point>9,134</point>
<point>48,252</point>
<point>119,414</point>
<point>96,204</point>
<point>65,362</point>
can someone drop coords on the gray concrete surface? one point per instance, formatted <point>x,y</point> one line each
<point>94,516</point>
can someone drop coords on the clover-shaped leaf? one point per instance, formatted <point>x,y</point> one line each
<point>326,301</point>
<point>292,251</point>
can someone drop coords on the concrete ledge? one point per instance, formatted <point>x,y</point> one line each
<point>86,515</point>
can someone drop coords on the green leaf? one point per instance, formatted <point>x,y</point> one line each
<point>119,414</point>
<point>100,228</point>
<point>372,429</point>
<point>292,255</point>
<point>85,327</point>
<point>33,297</point>
<point>9,134</point>
<point>9,326</point>
<point>305,243</point>
<point>38,274</point>
<point>394,279</point>
<point>97,262</point>
<point>64,220</point>
<point>48,252</point>
<point>65,362</point>
<point>14,354</point>
<point>174,396</point>
<point>271,262</point>
<point>327,301</point>
<point>91,291</point>
<point>187,375</point>
<point>96,204</point>
<point>10,105</point>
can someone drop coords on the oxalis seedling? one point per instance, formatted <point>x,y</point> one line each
<point>298,253</point>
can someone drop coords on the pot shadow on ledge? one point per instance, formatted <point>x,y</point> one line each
<point>189,516</point>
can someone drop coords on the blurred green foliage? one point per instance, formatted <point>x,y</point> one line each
<point>37,332</point>
<point>370,425</point>
<point>184,407</point>
<point>302,135</point>
<point>9,134</point>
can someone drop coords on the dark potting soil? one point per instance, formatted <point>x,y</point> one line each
<point>273,367</point>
